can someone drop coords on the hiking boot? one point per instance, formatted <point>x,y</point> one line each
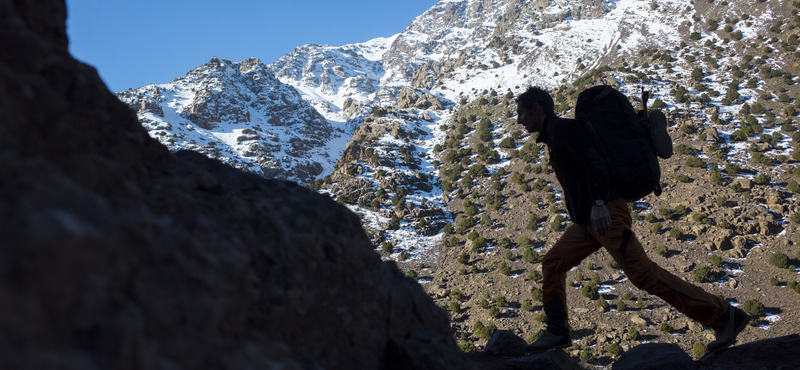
<point>662,143</point>
<point>737,321</point>
<point>548,341</point>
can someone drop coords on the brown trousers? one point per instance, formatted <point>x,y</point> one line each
<point>626,249</point>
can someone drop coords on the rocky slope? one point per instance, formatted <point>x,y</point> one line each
<point>117,254</point>
<point>448,186</point>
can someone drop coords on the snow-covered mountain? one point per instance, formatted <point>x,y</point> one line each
<point>240,113</point>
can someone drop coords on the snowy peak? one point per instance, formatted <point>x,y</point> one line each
<point>333,78</point>
<point>238,112</point>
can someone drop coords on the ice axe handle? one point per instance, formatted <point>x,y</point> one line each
<point>645,97</point>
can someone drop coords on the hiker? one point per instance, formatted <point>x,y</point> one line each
<point>601,218</point>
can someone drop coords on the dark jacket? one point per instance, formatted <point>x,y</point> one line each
<point>580,169</point>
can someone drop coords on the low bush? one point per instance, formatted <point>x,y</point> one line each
<point>754,308</point>
<point>699,350</point>
<point>633,334</point>
<point>467,347</point>
<point>704,274</point>
<point>483,331</point>
<point>779,259</point>
<point>591,291</point>
<point>614,349</point>
<point>586,356</point>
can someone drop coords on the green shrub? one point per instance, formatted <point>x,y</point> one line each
<point>675,233</point>
<point>614,349</point>
<point>602,303</point>
<point>793,285</point>
<point>753,308</point>
<point>536,295</point>
<point>463,258</point>
<point>704,274</point>
<point>683,149</point>
<point>716,178</point>
<point>504,268</point>
<point>590,291</point>
<point>455,307</point>
<point>780,260</point>
<point>534,275</point>
<point>628,295</point>
<point>467,347</point>
<point>527,305</point>
<point>530,255</point>
<point>586,356</point>
<point>483,331</point>
<point>682,178</point>
<point>621,306</point>
<point>666,328</point>
<point>633,334</point>
<point>478,244</point>
<point>793,186</point>
<point>695,162</point>
<point>699,350</point>
<point>558,223</point>
<point>715,260</point>
<point>656,228</point>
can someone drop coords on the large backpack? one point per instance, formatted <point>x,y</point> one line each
<point>624,140</point>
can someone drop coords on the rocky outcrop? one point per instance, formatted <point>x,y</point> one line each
<point>776,353</point>
<point>505,351</point>
<point>117,254</point>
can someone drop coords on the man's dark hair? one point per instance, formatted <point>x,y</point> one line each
<point>537,95</point>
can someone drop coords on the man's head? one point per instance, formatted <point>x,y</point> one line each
<point>534,106</point>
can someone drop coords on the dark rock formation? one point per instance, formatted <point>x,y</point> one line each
<point>116,254</point>
<point>777,353</point>
<point>782,353</point>
<point>655,356</point>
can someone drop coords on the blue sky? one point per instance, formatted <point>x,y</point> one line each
<point>134,43</point>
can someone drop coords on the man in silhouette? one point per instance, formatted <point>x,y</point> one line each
<point>601,218</point>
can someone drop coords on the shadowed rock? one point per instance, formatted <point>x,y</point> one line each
<point>776,353</point>
<point>655,356</point>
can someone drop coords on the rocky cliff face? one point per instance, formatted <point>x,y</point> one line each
<point>115,253</point>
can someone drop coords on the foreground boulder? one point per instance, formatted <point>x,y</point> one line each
<point>116,254</point>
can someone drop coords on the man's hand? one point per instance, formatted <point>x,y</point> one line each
<point>601,219</point>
